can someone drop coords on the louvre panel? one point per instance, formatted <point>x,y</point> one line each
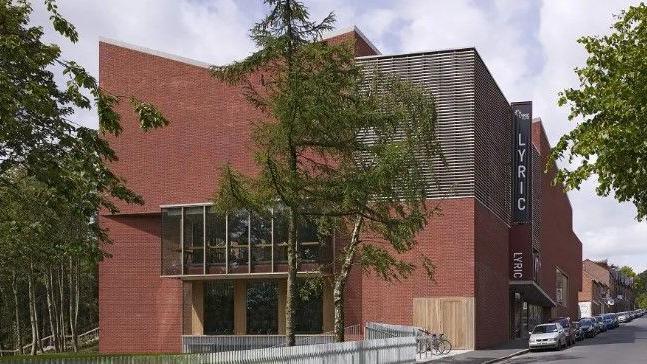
<point>449,77</point>
<point>493,149</point>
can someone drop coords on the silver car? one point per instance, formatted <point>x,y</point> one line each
<point>548,336</point>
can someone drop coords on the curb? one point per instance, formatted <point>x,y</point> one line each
<point>520,352</point>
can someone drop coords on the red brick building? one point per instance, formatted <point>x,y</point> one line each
<point>178,269</point>
<point>593,296</point>
<point>614,288</point>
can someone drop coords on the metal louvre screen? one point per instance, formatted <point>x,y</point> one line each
<point>449,76</point>
<point>493,129</point>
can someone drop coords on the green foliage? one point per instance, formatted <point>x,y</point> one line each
<point>641,300</point>
<point>627,271</point>
<point>54,177</point>
<point>332,145</point>
<point>36,135</point>
<point>312,146</point>
<point>611,140</point>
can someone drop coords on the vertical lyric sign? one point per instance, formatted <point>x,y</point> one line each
<point>522,163</point>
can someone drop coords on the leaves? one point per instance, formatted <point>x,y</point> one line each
<point>610,141</point>
<point>149,116</point>
<point>335,141</point>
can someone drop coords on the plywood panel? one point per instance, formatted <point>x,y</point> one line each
<point>197,310</point>
<point>282,292</point>
<point>240,307</point>
<point>453,316</point>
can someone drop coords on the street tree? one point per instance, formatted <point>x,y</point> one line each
<point>609,106</point>
<point>334,147</point>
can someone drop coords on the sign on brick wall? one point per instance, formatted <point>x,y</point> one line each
<point>522,163</point>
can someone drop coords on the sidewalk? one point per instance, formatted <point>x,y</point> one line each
<point>485,356</point>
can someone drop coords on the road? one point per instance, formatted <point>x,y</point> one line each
<point>626,344</point>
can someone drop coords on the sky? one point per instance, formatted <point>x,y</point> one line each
<point>530,48</point>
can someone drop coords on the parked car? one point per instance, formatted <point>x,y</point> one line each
<point>565,322</point>
<point>599,321</point>
<point>625,317</point>
<point>550,335</point>
<point>589,327</point>
<point>609,321</point>
<point>579,333</point>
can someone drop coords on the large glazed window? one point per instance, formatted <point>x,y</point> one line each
<point>280,236</point>
<point>309,315</point>
<point>193,240</point>
<point>238,233</point>
<point>218,307</point>
<point>262,308</point>
<point>562,287</point>
<point>197,240</point>
<point>261,239</point>
<point>171,241</point>
<point>308,241</point>
<point>216,241</point>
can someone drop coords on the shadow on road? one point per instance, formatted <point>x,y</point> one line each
<point>623,334</point>
<point>558,356</point>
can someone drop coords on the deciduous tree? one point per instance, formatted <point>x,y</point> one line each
<point>610,139</point>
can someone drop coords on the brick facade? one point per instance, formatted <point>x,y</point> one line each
<point>560,247</point>
<point>210,126</point>
<point>618,287</point>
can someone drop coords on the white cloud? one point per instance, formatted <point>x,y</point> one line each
<point>212,31</point>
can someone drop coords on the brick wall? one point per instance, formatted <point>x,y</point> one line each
<point>491,272</point>
<point>209,126</point>
<point>586,294</point>
<point>448,240</point>
<point>138,310</point>
<point>560,246</point>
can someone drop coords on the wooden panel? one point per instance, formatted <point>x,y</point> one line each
<point>240,307</point>
<point>197,309</point>
<point>328,307</point>
<point>282,292</point>
<point>453,316</point>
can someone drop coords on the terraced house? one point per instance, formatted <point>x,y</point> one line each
<point>505,252</point>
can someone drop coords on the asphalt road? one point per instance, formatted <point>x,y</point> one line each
<point>626,344</point>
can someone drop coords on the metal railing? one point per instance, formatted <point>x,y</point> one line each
<point>47,343</point>
<point>220,343</point>
<point>425,341</point>
<point>394,350</point>
<point>378,330</point>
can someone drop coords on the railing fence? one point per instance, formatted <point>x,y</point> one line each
<point>389,351</point>
<point>220,343</point>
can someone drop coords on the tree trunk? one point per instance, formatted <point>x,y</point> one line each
<point>290,296</point>
<point>14,287</point>
<point>32,312</point>
<point>61,289</point>
<point>342,277</point>
<point>70,302</point>
<point>76,302</point>
<point>50,309</point>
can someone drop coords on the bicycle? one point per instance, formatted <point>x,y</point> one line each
<point>437,344</point>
